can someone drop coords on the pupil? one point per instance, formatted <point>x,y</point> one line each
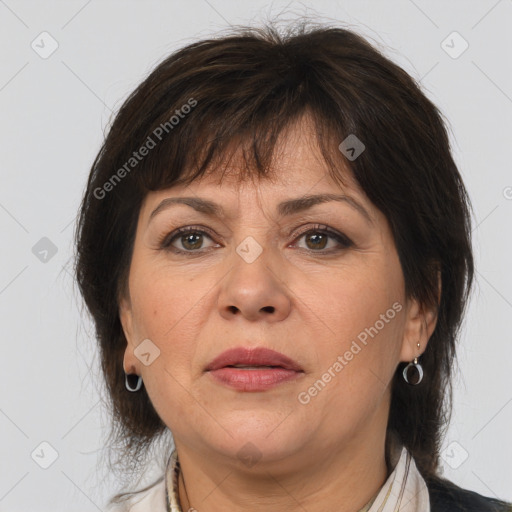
<point>192,245</point>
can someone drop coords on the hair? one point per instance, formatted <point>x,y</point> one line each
<point>243,89</point>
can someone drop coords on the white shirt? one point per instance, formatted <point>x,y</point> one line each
<point>404,490</point>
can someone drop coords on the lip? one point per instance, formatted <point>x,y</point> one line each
<point>250,379</point>
<point>259,356</point>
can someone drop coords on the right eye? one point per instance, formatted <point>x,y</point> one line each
<point>191,239</point>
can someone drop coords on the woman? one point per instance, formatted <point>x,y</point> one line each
<point>274,245</point>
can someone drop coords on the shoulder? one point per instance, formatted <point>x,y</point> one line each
<point>150,499</point>
<point>445,496</point>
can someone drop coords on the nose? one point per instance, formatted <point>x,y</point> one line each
<point>254,290</point>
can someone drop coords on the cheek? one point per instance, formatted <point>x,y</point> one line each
<point>359,322</point>
<point>347,303</point>
<point>165,312</point>
<point>161,301</point>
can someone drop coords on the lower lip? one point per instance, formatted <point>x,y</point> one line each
<point>253,380</point>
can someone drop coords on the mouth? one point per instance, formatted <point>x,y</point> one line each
<point>253,358</point>
<point>253,369</point>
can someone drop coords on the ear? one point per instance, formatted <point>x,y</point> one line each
<point>420,323</point>
<point>130,362</point>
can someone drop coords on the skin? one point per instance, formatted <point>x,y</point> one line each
<point>328,454</point>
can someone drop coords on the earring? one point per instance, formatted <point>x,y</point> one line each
<point>127,383</point>
<point>418,371</point>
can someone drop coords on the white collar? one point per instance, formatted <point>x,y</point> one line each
<point>404,490</point>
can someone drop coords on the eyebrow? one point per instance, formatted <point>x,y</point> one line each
<point>285,208</point>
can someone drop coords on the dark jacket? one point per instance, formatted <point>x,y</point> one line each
<point>445,496</point>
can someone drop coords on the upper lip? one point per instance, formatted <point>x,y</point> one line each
<point>259,356</point>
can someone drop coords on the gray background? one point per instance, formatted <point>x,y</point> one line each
<point>53,114</point>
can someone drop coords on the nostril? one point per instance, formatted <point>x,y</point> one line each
<point>270,309</point>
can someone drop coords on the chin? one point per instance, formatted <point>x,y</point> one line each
<point>270,439</point>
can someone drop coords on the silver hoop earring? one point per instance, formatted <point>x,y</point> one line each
<point>419,371</point>
<point>127,383</point>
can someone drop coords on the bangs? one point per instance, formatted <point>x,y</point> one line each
<point>250,146</point>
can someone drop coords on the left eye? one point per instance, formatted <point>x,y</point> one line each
<point>317,239</point>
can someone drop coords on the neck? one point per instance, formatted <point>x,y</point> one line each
<point>344,480</point>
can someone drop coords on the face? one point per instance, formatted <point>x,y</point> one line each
<point>321,284</point>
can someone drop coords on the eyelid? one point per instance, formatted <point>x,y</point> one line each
<point>164,241</point>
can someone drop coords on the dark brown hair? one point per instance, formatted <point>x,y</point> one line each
<point>247,87</point>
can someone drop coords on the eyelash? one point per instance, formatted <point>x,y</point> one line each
<point>165,242</point>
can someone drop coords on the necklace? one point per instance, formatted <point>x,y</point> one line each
<point>190,509</point>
